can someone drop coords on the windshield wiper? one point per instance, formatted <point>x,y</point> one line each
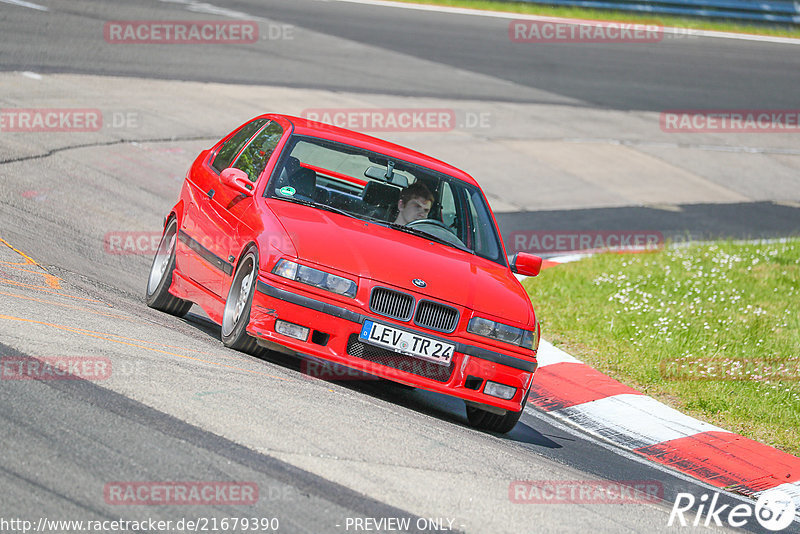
<point>426,235</point>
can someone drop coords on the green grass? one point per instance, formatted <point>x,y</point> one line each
<point>712,330</point>
<point>780,30</point>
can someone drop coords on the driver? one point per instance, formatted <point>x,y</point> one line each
<point>414,204</point>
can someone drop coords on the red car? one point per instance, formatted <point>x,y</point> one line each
<point>306,238</point>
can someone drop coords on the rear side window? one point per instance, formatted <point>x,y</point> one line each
<point>254,158</point>
<point>233,145</point>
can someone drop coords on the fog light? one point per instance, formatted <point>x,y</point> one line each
<point>292,330</point>
<point>500,391</point>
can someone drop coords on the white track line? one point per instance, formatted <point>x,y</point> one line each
<point>572,429</point>
<point>684,32</point>
<point>548,355</point>
<point>633,421</point>
<point>22,3</point>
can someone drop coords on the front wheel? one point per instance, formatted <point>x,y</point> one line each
<point>237,306</point>
<point>484,420</point>
<point>157,294</point>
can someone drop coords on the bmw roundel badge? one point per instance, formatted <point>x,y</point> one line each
<point>419,283</point>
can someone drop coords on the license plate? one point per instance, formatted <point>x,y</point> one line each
<point>404,342</point>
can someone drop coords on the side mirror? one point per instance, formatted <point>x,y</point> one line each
<point>237,179</point>
<point>526,264</point>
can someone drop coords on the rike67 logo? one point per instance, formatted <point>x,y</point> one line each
<point>774,510</point>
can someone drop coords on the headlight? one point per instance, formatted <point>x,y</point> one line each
<point>315,277</point>
<point>502,332</point>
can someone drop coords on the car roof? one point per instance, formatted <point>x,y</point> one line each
<point>334,133</point>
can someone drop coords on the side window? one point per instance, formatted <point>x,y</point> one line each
<point>485,242</point>
<point>254,158</point>
<point>233,145</point>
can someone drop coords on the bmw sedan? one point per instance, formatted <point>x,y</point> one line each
<point>344,249</point>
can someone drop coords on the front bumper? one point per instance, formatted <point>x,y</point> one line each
<point>334,338</point>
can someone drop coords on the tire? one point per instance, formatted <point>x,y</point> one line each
<point>483,420</point>
<point>236,314</point>
<point>157,293</point>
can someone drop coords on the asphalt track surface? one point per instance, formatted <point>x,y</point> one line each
<point>680,73</point>
<point>180,407</point>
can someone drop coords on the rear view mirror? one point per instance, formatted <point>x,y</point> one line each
<point>386,175</point>
<point>526,264</point>
<point>237,179</point>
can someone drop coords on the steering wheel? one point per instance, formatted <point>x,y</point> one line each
<point>439,229</point>
<point>429,221</point>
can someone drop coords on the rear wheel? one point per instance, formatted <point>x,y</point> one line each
<point>485,420</point>
<point>157,294</point>
<point>237,306</point>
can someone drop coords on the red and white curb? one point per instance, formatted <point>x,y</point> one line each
<point>575,393</point>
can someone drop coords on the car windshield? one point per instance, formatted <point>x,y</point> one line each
<point>398,194</point>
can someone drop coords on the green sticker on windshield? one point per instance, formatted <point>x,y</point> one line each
<point>287,191</point>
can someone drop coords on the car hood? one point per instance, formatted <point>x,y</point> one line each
<point>391,257</point>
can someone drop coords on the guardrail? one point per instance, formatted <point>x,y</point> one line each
<point>780,11</point>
